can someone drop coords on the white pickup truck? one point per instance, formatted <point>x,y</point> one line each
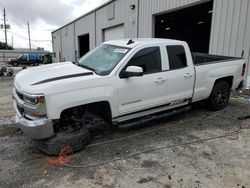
<point>120,83</point>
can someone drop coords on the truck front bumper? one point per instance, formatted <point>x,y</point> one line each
<point>38,129</point>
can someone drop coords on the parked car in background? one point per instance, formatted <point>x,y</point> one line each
<point>27,59</point>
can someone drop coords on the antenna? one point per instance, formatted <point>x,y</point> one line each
<point>130,42</point>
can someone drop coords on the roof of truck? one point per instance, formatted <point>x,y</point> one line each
<point>142,41</point>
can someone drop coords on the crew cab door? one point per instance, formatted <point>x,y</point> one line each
<point>180,75</point>
<point>135,94</point>
<point>23,59</point>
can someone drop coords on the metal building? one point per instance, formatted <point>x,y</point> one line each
<point>212,26</point>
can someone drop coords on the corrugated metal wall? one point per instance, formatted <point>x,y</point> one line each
<point>122,15</point>
<point>230,33</point>
<point>68,43</point>
<point>56,38</point>
<point>86,26</point>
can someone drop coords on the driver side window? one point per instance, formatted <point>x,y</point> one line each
<point>24,57</point>
<point>149,59</point>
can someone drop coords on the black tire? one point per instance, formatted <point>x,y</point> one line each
<point>15,64</point>
<point>76,140</point>
<point>9,74</point>
<point>36,64</point>
<point>1,74</point>
<point>220,95</point>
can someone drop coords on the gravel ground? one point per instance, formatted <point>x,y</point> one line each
<point>192,149</point>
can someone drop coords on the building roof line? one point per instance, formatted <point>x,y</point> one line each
<point>87,13</point>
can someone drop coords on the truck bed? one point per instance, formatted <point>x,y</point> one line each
<point>202,58</point>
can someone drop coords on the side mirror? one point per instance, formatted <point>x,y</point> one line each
<point>132,71</point>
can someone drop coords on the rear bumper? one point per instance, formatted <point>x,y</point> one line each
<point>35,129</point>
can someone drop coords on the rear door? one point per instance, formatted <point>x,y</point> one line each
<point>180,76</point>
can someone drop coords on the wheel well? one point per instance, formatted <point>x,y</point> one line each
<point>101,108</point>
<point>228,79</point>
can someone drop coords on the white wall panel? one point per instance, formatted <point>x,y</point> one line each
<point>123,14</point>
<point>56,38</point>
<point>68,43</point>
<point>112,33</point>
<point>231,28</point>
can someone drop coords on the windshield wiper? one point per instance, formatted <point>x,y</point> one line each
<point>86,67</point>
<point>76,62</point>
<point>83,66</point>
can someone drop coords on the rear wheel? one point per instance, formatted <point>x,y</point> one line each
<point>36,64</point>
<point>220,95</point>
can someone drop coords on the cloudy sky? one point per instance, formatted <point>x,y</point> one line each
<point>44,16</point>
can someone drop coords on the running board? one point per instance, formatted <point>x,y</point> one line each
<point>140,122</point>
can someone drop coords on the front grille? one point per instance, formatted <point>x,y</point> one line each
<point>20,109</point>
<point>19,95</point>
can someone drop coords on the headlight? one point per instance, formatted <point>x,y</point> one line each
<point>35,105</point>
<point>34,99</point>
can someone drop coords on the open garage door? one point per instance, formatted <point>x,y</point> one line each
<point>114,33</point>
<point>191,24</point>
<point>83,44</point>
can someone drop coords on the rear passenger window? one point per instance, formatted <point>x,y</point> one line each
<point>149,59</point>
<point>177,57</point>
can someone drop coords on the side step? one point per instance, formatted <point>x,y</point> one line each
<point>139,122</point>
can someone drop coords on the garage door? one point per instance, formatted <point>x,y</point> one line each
<point>191,24</point>
<point>114,33</point>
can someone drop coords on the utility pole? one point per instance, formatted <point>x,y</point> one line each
<point>5,29</point>
<point>12,43</point>
<point>29,35</point>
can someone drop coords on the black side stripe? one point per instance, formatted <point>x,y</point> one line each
<point>63,77</point>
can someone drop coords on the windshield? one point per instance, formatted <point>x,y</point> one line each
<point>103,59</point>
<point>19,56</point>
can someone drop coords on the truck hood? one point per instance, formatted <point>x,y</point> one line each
<point>13,59</point>
<point>30,79</point>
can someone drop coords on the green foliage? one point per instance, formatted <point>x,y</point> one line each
<point>3,46</point>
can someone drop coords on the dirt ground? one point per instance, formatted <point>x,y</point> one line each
<point>199,148</point>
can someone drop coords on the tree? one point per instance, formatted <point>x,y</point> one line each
<point>3,46</point>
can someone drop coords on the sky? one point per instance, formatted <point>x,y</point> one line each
<point>44,16</point>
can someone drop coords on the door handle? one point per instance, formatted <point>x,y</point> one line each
<point>160,80</point>
<point>188,75</point>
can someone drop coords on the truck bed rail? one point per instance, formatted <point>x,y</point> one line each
<point>202,58</point>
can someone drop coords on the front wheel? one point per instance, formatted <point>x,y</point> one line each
<point>220,95</point>
<point>75,138</point>
<point>15,64</point>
